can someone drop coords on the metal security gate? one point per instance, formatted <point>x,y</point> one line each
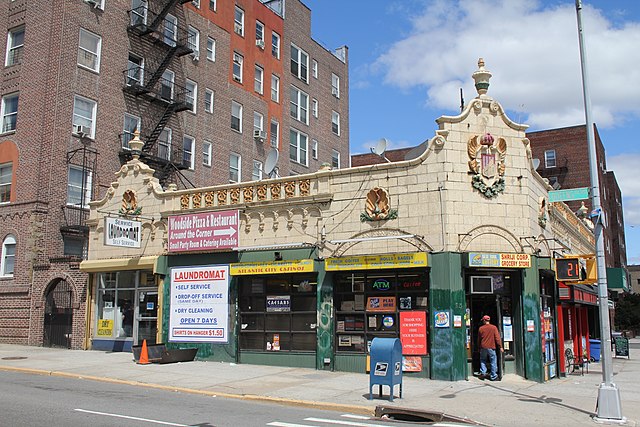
<point>58,315</point>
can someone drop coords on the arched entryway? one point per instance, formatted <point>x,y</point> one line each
<point>58,315</point>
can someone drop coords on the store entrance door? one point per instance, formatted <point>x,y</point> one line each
<point>479,306</point>
<point>146,316</point>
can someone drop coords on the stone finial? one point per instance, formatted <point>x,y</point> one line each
<point>481,77</point>
<point>136,145</point>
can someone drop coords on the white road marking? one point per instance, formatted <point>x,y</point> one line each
<point>345,423</point>
<point>355,417</point>
<point>107,414</point>
<point>279,424</point>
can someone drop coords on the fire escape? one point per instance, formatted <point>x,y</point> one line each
<point>157,85</point>
<point>81,164</point>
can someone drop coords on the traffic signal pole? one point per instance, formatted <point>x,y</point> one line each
<point>608,405</point>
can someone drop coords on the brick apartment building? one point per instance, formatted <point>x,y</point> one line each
<point>564,161</point>
<point>215,89</point>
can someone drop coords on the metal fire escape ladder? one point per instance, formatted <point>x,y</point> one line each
<point>165,10</point>
<point>157,130</point>
<point>161,69</point>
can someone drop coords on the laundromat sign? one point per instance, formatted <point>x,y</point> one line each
<point>477,259</point>
<point>122,232</point>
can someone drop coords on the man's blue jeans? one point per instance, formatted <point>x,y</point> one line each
<point>489,353</point>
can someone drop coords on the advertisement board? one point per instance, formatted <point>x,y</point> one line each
<point>413,332</point>
<point>120,232</point>
<point>199,305</point>
<point>203,231</point>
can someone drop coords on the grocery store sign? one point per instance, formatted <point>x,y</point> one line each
<point>375,262</point>
<point>477,259</point>
<point>276,267</point>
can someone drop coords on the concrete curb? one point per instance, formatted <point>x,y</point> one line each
<point>355,409</point>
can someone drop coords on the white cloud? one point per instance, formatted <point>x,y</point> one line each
<point>532,51</point>
<point>625,166</point>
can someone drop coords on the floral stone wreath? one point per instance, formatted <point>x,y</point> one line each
<point>488,190</point>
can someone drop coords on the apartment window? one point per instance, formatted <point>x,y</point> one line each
<point>298,147</point>
<point>191,97</point>
<point>131,123</point>
<point>235,163</point>
<point>550,159</point>
<point>260,34</point>
<point>314,149</point>
<point>84,114</point>
<point>275,45</point>
<point>138,12</point>
<point>275,133</point>
<point>335,123</point>
<point>188,143</point>
<point>170,30</point>
<point>9,112</point>
<point>208,100</point>
<point>256,173</point>
<point>89,50</point>
<point>74,246</point>
<point>166,85</point>
<point>314,69</point>
<point>206,153</point>
<point>135,70</point>
<point>299,105</point>
<point>258,121</point>
<point>238,60</point>
<point>6,175</point>
<point>236,116</point>
<point>78,186</point>
<point>212,5</point>
<point>314,108</point>
<point>238,21</point>
<point>15,42</point>
<point>193,41</point>
<point>275,88</point>
<point>335,85</point>
<point>8,256</point>
<point>164,144</point>
<point>259,77</point>
<point>196,3</point>
<point>299,63</point>
<point>211,49</point>
<point>335,159</point>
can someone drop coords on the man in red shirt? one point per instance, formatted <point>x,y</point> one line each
<point>488,340</point>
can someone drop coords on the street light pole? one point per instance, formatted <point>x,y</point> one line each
<point>608,405</point>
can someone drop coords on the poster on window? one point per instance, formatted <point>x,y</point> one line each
<point>199,304</point>
<point>413,332</point>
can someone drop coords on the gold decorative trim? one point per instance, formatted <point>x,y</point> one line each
<point>222,197</point>
<point>275,191</point>
<point>184,201</point>
<point>234,194</point>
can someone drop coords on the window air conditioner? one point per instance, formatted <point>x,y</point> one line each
<point>260,44</point>
<point>195,55</point>
<point>259,134</point>
<point>97,4</point>
<point>481,284</point>
<point>237,28</point>
<point>81,130</point>
<point>334,91</point>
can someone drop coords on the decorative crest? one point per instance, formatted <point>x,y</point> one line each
<point>130,204</point>
<point>487,163</point>
<point>377,206</point>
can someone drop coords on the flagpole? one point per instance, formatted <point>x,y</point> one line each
<point>608,406</point>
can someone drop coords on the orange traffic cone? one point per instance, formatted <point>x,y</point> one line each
<point>144,355</point>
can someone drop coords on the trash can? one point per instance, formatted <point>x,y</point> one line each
<point>594,350</point>
<point>386,365</point>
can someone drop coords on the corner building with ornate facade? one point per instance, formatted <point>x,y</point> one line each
<point>306,270</point>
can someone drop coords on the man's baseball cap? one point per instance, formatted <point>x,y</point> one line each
<point>485,317</point>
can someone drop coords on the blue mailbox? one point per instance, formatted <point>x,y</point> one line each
<point>385,365</point>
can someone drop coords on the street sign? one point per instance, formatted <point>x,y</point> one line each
<point>569,194</point>
<point>203,231</point>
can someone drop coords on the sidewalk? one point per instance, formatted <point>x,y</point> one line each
<point>566,401</point>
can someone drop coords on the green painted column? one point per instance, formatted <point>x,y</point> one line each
<point>324,349</point>
<point>534,369</point>
<point>446,293</point>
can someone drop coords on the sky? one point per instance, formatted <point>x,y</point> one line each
<point>408,60</point>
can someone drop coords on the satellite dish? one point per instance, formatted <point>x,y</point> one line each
<point>270,163</point>
<point>380,147</point>
<point>536,163</point>
<point>416,151</point>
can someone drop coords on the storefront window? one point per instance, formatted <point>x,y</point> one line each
<point>547,304</point>
<point>115,305</point>
<point>278,313</point>
<point>368,305</point>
